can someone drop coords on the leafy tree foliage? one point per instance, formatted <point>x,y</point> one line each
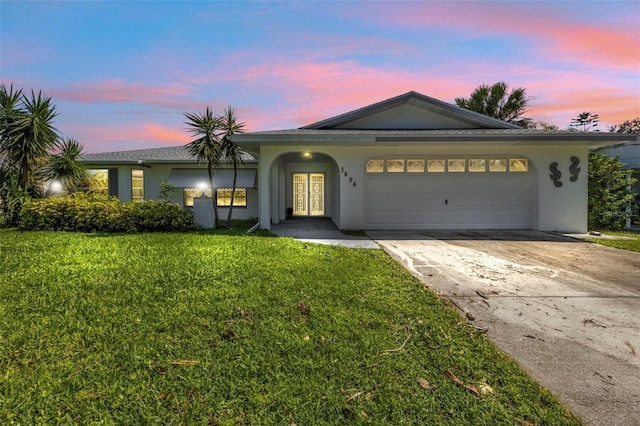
<point>611,201</point>
<point>27,135</point>
<point>65,166</point>
<point>629,126</point>
<point>584,122</point>
<point>543,125</point>
<point>498,102</point>
<point>31,152</point>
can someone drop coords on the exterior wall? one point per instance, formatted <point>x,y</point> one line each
<point>158,173</point>
<point>553,208</point>
<point>562,208</point>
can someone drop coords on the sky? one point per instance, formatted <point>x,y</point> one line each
<point>123,73</point>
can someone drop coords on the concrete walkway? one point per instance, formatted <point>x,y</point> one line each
<point>320,231</point>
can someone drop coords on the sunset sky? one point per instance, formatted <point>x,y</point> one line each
<point>122,73</point>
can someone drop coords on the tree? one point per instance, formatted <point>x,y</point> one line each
<point>206,147</point>
<point>64,165</point>
<point>611,201</point>
<point>231,151</point>
<point>26,136</point>
<point>585,122</point>
<point>543,125</point>
<point>495,101</point>
<point>629,126</point>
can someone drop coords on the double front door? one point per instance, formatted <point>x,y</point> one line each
<point>308,194</point>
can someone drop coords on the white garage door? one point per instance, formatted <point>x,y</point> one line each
<point>448,200</point>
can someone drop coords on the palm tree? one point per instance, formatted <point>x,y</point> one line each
<point>206,147</point>
<point>495,102</point>
<point>27,135</point>
<point>231,151</point>
<point>64,165</point>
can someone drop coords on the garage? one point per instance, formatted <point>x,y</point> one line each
<point>482,193</point>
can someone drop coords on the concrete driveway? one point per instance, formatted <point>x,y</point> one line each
<point>566,310</point>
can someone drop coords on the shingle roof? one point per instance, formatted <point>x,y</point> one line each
<point>173,154</point>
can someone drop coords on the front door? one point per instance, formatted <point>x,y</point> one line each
<point>308,194</point>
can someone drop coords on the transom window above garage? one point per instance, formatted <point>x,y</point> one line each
<point>448,165</point>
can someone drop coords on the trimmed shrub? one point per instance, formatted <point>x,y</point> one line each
<point>84,213</point>
<point>151,216</point>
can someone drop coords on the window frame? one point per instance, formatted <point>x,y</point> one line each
<point>134,188</point>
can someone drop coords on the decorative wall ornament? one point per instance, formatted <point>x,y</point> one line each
<point>574,169</point>
<point>555,174</point>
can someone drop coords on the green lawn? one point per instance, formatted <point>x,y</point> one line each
<point>231,329</point>
<point>631,244</point>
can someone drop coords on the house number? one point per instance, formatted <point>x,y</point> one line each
<point>345,173</point>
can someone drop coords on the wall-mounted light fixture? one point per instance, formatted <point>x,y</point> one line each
<point>307,155</point>
<point>202,186</point>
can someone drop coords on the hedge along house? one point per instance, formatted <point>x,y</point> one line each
<point>414,162</point>
<point>138,175</point>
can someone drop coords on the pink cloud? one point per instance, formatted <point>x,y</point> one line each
<point>99,138</point>
<point>551,31</point>
<point>311,91</point>
<point>164,134</point>
<point>119,91</point>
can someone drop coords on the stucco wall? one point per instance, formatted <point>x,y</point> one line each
<point>553,208</point>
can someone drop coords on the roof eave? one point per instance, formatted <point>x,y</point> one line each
<point>592,140</point>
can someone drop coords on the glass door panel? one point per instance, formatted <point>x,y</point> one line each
<point>316,194</point>
<point>300,201</point>
<point>308,194</point>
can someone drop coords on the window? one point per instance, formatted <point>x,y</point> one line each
<point>98,181</point>
<point>518,165</point>
<point>415,166</point>
<point>456,165</point>
<point>395,166</point>
<point>436,166</point>
<point>477,165</point>
<point>498,165</point>
<point>137,184</point>
<point>375,166</point>
<point>224,197</point>
<point>191,193</point>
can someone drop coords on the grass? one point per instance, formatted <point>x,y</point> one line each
<point>631,244</point>
<point>231,329</point>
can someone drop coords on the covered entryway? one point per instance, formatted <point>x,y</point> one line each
<point>308,194</point>
<point>448,200</point>
<point>303,184</point>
